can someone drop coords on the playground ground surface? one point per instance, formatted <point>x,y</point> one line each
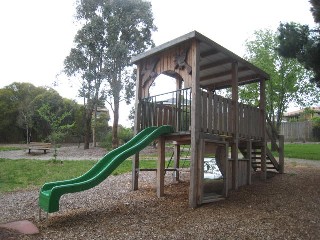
<point>285,206</point>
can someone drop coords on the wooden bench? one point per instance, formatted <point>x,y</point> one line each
<point>39,146</point>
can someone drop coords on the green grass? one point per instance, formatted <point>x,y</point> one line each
<point>302,151</point>
<point>9,148</point>
<point>307,151</point>
<point>30,174</point>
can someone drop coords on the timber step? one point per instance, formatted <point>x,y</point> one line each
<point>271,162</point>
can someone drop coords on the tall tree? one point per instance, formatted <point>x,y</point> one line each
<point>302,43</point>
<point>288,79</point>
<point>112,32</point>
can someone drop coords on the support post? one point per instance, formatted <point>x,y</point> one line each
<point>137,122</point>
<point>195,125</point>
<point>263,125</point>
<point>160,167</point>
<point>249,156</point>
<point>235,121</point>
<point>281,153</point>
<point>176,159</point>
<point>226,170</point>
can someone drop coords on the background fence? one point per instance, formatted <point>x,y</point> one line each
<point>297,131</point>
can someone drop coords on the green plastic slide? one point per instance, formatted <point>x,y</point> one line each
<point>51,192</point>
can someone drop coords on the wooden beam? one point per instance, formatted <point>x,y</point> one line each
<point>262,106</point>
<point>227,83</point>
<point>195,124</point>
<point>200,167</point>
<point>176,155</point>
<point>281,153</point>
<point>226,170</point>
<point>160,167</point>
<point>235,120</point>
<point>137,121</point>
<point>249,157</point>
<point>224,73</point>
<point>215,64</point>
<point>209,53</point>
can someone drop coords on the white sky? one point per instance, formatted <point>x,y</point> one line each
<point>37,35</point>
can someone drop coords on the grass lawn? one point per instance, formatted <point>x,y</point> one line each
<point>8,148</point>
<point>302,150</point>
<point>30,174</point>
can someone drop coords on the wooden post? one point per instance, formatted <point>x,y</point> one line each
<point>195,124</point>
<point>160,167</point>
<point>263,125</point>
<point>235,120</point>
<point>179,117</point>
<point>281,153</point>
<point>249,156</point>
<point>137,121</point>
<point>226,170</point>
<point>176,155</point>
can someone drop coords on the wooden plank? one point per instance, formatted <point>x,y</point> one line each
<point>235,112</point>
<point>262,121</point>
<point>195,116</point>
<point>249,157</point>
<point>160,167</point>
<point>226,171</point>
<point>137,121</point>
<point>281,153</point>
<point>210,106</point>
<point>204,112</point>
<point>176,161</point>
<point>225,116</point>
<point>220,116</point>
<point>215,114</point>
<point>200,194</point>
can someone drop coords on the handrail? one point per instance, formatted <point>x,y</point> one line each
<point>274,136</point>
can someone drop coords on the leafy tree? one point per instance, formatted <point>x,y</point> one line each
<point>101,126</point>
<point>52,98</point>
<point>112,32</point>
<point>302,43</point>
<point>24,94</point>
<point>288,83</point>
<point>58,130</point>
<point>17,111</point>
<point>9,111</point>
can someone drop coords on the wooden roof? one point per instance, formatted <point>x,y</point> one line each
<point>215,62</point>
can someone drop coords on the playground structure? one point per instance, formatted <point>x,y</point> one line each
<point>210,123</point>
<point>194,115</point>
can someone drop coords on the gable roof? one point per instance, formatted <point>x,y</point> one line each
<point>215,62</point>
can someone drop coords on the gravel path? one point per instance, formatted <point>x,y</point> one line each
<point>286,206</point>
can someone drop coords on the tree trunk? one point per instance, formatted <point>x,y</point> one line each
<point>115,139</point>
<point>87,129</point>
<point>94,127</point>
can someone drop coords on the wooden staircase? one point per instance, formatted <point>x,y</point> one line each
<point>272,163</point>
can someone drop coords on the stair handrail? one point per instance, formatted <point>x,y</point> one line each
<point>274,136</point>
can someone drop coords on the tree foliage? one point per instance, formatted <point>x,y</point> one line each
<point>288,79</point>
<point>57,125</point>
<point>302,43</point>
<point>112,32</point>
<point>20,120</point>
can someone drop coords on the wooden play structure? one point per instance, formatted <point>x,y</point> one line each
<point>235,134</point>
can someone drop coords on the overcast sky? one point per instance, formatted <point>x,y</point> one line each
<point>37,35</point>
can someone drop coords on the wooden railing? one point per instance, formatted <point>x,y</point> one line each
<point>216,114</point>
<point>277,142</point>
<point>171,108</point>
